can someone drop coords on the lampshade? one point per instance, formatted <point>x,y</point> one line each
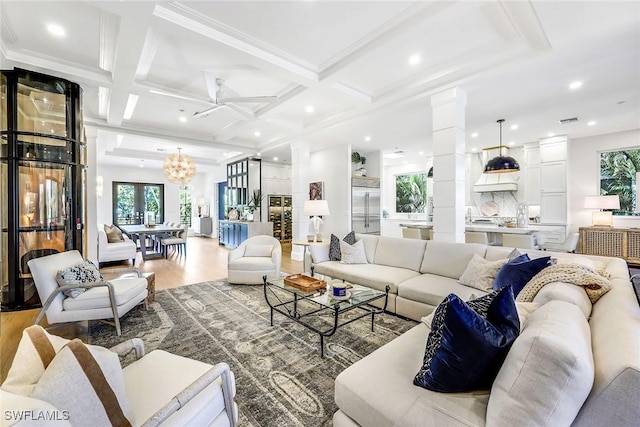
<point>316,208</point>
<point>179,169</point>
<point>602,202</point>
<point>500,163</point>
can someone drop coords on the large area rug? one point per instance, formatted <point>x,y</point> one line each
<point>281,379</point>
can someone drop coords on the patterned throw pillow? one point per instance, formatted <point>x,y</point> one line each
<point>114,235</point>
<point>468,342</point>
<point>353,254</point>
<point>481,273</point>
<point>334,246</point>
<point>89,384</point>
<point>84,272</point>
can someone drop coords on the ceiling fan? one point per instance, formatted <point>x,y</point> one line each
<point>218,98</point>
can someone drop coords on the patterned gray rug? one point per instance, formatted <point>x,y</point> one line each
<point>281,379</point>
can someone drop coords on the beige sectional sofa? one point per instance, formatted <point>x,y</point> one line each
<point>574,363</point>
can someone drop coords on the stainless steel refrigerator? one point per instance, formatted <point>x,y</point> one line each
<point>365,205</point>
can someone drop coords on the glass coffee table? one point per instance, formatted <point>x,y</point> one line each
<point>318,310</point>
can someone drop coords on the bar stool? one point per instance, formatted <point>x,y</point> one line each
<point>411,233</point>
<point>476,237</point>
<point>523,241</point>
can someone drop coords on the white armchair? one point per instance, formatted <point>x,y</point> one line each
<point>256,257</point>
<point>117,251</point>
<point>102,300</point>
<point>161,388</point>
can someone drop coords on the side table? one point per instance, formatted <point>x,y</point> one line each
<point>151,286</point>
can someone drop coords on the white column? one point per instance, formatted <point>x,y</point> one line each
<point>448,109</point>
<point>91,221</point>
<point>300,172</point>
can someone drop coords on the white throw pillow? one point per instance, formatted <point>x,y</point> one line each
<point>353,254</point>
<point>480,273</point>
<point>548,372</point>
<point>87,384</point>
<point>258,250</point>
<point>319,252</point>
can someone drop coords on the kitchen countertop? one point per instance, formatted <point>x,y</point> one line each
<point>478,228</point>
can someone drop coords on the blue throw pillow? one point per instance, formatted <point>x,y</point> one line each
<point>519,271</point>
<point>469,342</point>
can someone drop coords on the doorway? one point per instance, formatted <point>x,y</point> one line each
<point>132,199</point>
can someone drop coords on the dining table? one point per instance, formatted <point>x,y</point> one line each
<point>141,232</point>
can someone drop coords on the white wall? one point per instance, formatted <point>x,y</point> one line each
<point>204,186</point>
<point>333,167</point>
<point>584,174</point>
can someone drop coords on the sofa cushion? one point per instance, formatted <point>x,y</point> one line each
<point>17,408</point>
<point>89,384</point>
<point>372,275</point>
<point>353,254</point>
<point>370,244</point>
<point>114,234</point>
<point>468,342</point>
<point>377,391</point>
<point>403,253</point>
<point>258,250</point>
<point>125,289</point>
<point>433,289</point>
<point>548,373</point>
<point>85,272</point>
<point>319,252</point>
<point>519,271</point>
<point>481,273</point>
<point>566,292</point>
<point>449,259</point>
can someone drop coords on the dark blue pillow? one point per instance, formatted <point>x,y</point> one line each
<point>468,342</point>
<point>518,272</point>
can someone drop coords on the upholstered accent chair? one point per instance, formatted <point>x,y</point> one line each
<point>101,300</point>
<point>256,257</point>
<point>179,241</point>
<point>115,251</point>
<point>156,389</point>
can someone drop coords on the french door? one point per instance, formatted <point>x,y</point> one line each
<point>132,199</point>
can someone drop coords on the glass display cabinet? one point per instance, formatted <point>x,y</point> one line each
<point>42,178</point>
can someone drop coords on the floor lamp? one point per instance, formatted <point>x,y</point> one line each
<point>316,209</point>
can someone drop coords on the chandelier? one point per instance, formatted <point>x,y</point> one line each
<point>179,169</point>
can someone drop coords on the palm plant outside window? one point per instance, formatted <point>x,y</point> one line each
<point>618,175</point>
<point>411,192</point>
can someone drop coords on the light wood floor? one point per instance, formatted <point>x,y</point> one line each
<point>205,261</point>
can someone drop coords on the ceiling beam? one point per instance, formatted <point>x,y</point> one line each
<point>160,156</point>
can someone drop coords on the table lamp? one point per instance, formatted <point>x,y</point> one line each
<point>602,218</point>
<point>316,208</point>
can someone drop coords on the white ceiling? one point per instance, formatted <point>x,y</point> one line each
<point>349,60</point>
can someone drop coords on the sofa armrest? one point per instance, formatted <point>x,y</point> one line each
<point>237,253</point>
<point>122,270</point>
<point>222,371</point>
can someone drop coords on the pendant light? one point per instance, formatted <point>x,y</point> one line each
<point>500,163</point>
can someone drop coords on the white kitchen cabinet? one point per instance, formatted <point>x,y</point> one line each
<point>531,173</point>
<point>553,149</point>
<point>553,208</point>
<point>553,177</point>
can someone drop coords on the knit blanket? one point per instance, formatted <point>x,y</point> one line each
<point>593,282</point>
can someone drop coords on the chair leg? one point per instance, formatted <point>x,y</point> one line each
<point>116,320</point>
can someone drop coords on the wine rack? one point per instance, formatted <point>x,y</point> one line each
<point>280,216</point>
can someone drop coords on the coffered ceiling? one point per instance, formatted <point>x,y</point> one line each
<point>358,72</point>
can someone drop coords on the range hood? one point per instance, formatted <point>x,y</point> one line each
<point>488,182</point>
<point>497,182</point>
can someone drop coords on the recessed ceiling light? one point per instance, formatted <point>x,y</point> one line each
<point>257,133</point>
<point>275,159</point>
<point>512,143</point>
<point>551,134</point>
<point>575,85</point>
<point>591,123</point>
<point>141,163</point>
<point>474,149</point>
<point>414,59</point>
<point>257,154</point>
<point>367,138</point>
<point>309,109</point>
<point>474,135</point>
<point>56,30</point>
<point>513,127</point>
<point>183,119</point>
<point>421,153</point>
